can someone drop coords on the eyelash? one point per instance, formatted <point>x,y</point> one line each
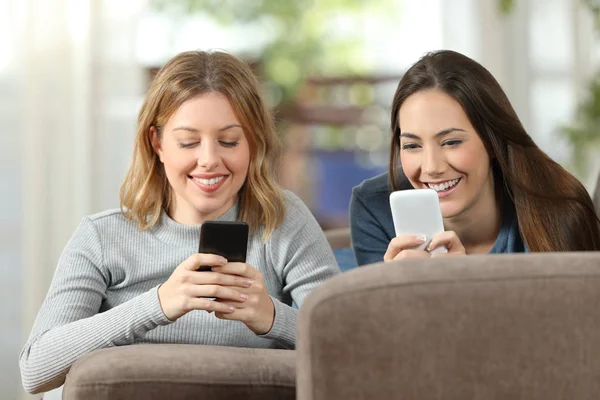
<point>451,143</point>
<point>229,144</point>
<point>409,146</point>
<point>190,145</point>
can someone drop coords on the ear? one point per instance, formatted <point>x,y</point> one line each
<point>155,141</point>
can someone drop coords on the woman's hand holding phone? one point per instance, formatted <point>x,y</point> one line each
<point>402,247</point>
<point>257,312</point>
<point>450,240</point>
<point>188,289</point>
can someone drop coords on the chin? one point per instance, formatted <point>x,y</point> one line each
<point>210,205</point>
<point>449,210</point>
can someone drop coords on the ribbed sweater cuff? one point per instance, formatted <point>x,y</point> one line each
<point>153,305</point>
<point>284,326</point>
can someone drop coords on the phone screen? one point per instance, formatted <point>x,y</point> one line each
<point>228,239</point>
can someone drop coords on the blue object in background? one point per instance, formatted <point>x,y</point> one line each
<point>345,258</point>
<point>337,172</point>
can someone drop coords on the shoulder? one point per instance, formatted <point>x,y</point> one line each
<point>372,193</point>
<point>97,229</point>
<point>376,186</point>
<point>380,185</point>
<point>296,210</point>
<point>297,218</point>
<point>106,215</point>
<point>109,221</point>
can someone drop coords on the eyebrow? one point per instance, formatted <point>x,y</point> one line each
<point>194,130</point>
<point>440,133</point>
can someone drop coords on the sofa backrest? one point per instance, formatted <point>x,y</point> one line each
<point>511,326</point>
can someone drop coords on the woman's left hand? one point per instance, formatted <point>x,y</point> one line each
<point>258,311</point>
<point>450,240</point>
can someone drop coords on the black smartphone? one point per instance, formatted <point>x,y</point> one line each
<point>228,239</point>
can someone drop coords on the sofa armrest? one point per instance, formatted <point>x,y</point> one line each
<point>338,238</point>
<point>516,326</point>
<point>169,371</point>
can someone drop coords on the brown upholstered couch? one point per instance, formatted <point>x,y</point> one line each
<point>518,326</point>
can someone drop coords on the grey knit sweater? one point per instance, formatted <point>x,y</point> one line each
<point>105,289</point>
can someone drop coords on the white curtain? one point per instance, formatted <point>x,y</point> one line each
<point>70,91</point>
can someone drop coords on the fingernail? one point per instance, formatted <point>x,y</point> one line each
<point>248,282</point>
<point>216,269</point>
<point>231,308</point>
<point>421,239</point>
<point>244,296</point>
<point>222,261</point>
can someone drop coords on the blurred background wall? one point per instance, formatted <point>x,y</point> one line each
<point>73,74</point>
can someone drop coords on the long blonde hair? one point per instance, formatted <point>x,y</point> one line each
<point>146,192</point>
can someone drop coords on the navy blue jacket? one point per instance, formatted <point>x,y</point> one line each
<point>372,226</point>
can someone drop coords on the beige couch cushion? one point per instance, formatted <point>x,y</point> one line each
<point>182,372</point>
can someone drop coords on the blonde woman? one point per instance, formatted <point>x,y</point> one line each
<point>205,150</point>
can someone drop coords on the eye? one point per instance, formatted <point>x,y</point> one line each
<point>410,146</point>
<point>187,145</point>
<point>452,142</point>
<point>229,144</point>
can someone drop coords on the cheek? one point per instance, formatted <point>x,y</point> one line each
<point>238,162</point>
<point>474,162</point>
<point>410,165</point>
<point>177,161</point>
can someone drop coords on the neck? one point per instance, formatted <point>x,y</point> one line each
<point>479,226</point>
<point>186,214</point>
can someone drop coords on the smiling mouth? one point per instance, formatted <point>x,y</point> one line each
<point>208,182</point>
<point>442,187</point>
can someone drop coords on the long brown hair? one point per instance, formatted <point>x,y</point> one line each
<point>145,192</point>
<point>554,210</point>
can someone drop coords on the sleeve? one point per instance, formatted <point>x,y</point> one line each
<point>300,253</point>
<point>369,240</point>
<point>69,324</point>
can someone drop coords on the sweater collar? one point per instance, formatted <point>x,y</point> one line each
<point>181,235</point>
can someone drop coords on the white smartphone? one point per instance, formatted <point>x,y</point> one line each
<point>417,212</point>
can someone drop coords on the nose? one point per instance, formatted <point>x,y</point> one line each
<point>208,156</point>
<point>432,163</point>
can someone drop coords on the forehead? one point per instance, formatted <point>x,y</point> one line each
<point>208,109</point>
<point>430,111</point>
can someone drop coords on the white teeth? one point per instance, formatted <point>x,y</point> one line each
<point>443,186</point>
<point>212,181</point>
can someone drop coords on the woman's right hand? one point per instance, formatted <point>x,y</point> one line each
<point>401,247</point>
<point>188,289</point>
